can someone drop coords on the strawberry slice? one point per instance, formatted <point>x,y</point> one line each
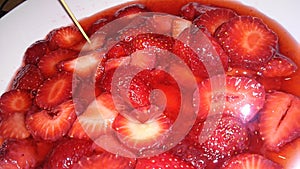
<point>64,37</point>
<point>111,161</point>
<point>279,66</point>
<point>15,101</point>
<point>13,126</point>
<point>287,156</point>
<point>68,152</point>
<point>34,52</point>
<point>48,63</point>
<point>279,119</point>
<point>97,25</point>
<point>29,77</point>
<point>162,161</point>
<point>250,161</point>
<point>243,97</point>
<point>248,41</point>
<point>213,18</point>
<point>228,138</point>
<point>96,120</point>
<point>51,125</point>
<point>18,154</point>
<point>130,10</point>
<point>192,10</point>
<point>54,91</point>
<point>136,134</point>
<point>148,40</point>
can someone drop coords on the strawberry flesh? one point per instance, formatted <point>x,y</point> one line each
<point>64,37</point>
<point>15,101</point>
<point>130,10</point>
<point>13,126</point>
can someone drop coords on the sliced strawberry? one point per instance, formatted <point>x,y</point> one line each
<point>52,125</point>
<point>162,161</point>
<point>15,101</point>
<point>83,66</point>
<point>48,63</point>
<point>54,91</point>
<point>243,97</point>
<point>18,154</point>
<point>96,120</point>
<point>34,52</point>
<point>130,10</point>
<point>248,41</point>
<point>279,119</point>
<point>137,135</point>
<point>64,37</point>
<point>228,138</point>
<point>13,126</point>
<point>148,40</point>
<point>143,59</point>
<point>107,160</point>
<point>271,83</point>
<point>28,77</point>
<point>287,156</point>
<point>192,10</point>
<point>120,49</point>
<point>161,23</point>
<point>179,25</point>
<point>237,71</point>
<point>250,161</point>
<point>213,18</point>
<point>97,25</point>
<point>68,152</point>
<point>279,66</point>
<point>134,29</point>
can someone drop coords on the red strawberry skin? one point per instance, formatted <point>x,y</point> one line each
<point>130,10</point>
<point>248,41</point>
<point>64,37</point>
<point>15,101</point>
<point>162,161</point>
<point>67,153</point>
<point>35,52</point>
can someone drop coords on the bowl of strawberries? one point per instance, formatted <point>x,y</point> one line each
<point>161,84</point>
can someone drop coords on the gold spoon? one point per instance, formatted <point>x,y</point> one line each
<point>66,7</point>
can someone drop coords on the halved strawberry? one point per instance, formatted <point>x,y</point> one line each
<point>243,97</point>
<point>48,63</point>
<point>54,91</point>
<point>250,161</point>
<point>192,10</point>
<point>279,119</point>
<point>213,18</point>
<point>279,66</point>
<point>287,156</point>
<point>248,41</point>
<point>29,77</point>
<point>13,126</point>
<point>107,160</point>
<point>120,49</point>
<point>18,154</point>
<point>15,101</point>
<point>51,125</point>
<point>149,40</point>
<point>162,161</point>
<point>64,37</point>
<point>68,152</point>
<point>137,135</point>
<point>130,10</point>
<point>96,119</point>
<point>221,138</point>
<point>35,51</point>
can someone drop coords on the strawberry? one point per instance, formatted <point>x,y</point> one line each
<point>96,119</point>
<point>130,10</point>
<point>137,135</point>
<point>34,52</point>
<point>162,161</point>
<point>279,119</point>
<point>243,97</point>
<point>48,63</point>
<point>105,160</point>
<point>18,154</point>
<point>134,29</point>
<point>213,18</point>
<point>29,77</point>
<point>279,66</point>
<point>51,125</point>
<point>120,49</point>
<point>13,126</point>
<point>98,24</point>
<point>15,101</point>
<point>148,40</point>
<point>64,37</point>
<point>250,161</point>
<point>287,156</point>
<point>67,153</point>
<point>248,41</point>
<point>83,66</point>
<point>192,10</point>
<point>222,139</point>
<point>54,91</point>
<point>179,25</point>
<point>271,83</point>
